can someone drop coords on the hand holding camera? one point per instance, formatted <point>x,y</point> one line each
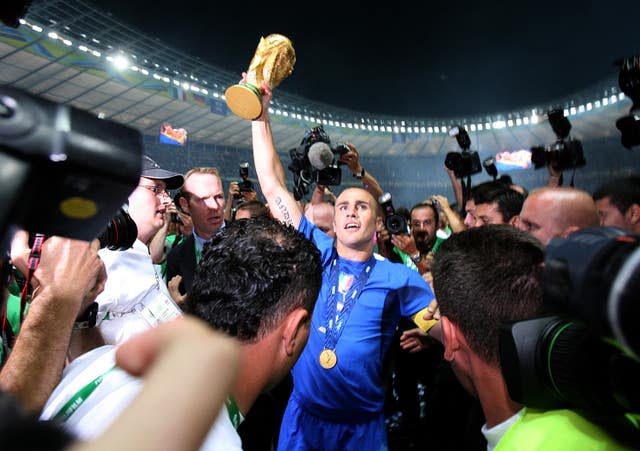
<point>244,186</point>
<point>395,223</point>
<point>71,272</point>
<point>406,243</point>
<point>351,158</point>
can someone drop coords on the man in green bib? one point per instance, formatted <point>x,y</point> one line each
<point>484,277</point>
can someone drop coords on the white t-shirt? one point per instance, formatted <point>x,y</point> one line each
<point>135,297</point>
<point>116,391</point>
<point>494,434</point>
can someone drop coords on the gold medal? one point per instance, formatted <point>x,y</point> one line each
<point>328,359</point>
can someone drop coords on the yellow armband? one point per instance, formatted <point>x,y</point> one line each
<point>419,320</point>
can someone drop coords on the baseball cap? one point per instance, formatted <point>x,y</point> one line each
<point>152,170</point>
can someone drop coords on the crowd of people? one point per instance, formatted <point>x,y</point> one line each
<point>233,323</point>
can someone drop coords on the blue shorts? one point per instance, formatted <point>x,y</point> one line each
<point>301,430</point>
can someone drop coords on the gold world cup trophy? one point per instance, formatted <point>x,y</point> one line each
<point>272,62</point>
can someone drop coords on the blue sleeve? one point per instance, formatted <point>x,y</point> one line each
<point>322,241</point>
<point>415,295</point>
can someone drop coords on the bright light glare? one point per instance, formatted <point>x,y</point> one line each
<point>120,62</point>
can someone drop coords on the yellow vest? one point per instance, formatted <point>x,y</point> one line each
<point>561,430</point>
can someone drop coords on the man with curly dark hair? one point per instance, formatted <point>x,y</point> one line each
<point>257,281</point>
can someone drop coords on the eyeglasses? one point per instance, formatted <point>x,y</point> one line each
<point>156,190</point>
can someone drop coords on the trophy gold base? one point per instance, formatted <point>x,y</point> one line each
<point>244,100</point>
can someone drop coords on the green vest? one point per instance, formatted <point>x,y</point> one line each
<point>561,430</point>
<point>13,317</point>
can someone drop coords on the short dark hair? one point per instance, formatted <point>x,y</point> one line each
<point>486,276</point>
<point>481,192</point>
<point>251,275</point>
<point>255,208</point>
<point>508,200</point>
<point>622,193</point>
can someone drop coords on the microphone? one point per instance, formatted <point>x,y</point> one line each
<point>320,155</point>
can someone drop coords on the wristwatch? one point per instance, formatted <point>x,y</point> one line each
<point>416,258</point>
<point>359,175</point>
<point>88,318</point>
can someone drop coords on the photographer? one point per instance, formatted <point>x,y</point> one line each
<point>177,226</point>
<point>484,277</point>
<point>69,277</point>
<point>235,194</point>
<point>418,245</point>
<point>134,288</point>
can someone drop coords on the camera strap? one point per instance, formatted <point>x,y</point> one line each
<point>32,265</point>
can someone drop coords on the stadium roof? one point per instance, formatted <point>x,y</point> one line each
<point>73,53</point>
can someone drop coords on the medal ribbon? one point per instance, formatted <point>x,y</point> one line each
<point>336,319</point>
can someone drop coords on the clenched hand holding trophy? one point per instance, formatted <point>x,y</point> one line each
<point>272,62</point>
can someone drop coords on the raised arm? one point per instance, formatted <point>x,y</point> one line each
<point>352,160</point>
<point>457,188</point>
<point>455,222</point>
<point>269,168</point>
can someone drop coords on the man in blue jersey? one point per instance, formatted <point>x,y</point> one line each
<point>338,394</point>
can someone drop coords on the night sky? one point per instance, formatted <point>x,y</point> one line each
<point>409,58</point>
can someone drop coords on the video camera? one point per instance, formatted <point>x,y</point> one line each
<point>246,186</point>
<point>585,352</point>
<point>314,160</point>
<point>629,81</point>
<point>396,224</point>
<point>63,171</point>
<point>465,163</point>
<point>565,153</point>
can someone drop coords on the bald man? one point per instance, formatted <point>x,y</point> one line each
<point>322,216</point>
<point>557,212</point>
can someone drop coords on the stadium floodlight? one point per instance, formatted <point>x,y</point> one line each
<point>120,62</point>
